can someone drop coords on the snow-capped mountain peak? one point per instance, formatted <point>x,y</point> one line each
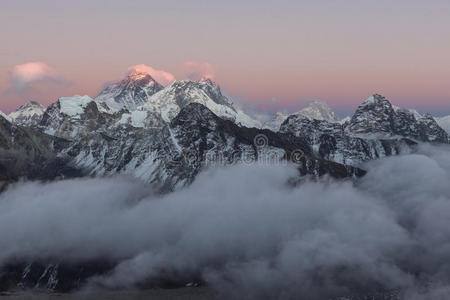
<point>318,110</point>
<point>29,114</point>
<point>129,93</point>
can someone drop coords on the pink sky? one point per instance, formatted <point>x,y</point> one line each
<point>268,55</point>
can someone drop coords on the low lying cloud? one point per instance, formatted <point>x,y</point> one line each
<point>247,233</point>
<point>22,76</point>
<point>198,71</point>
<point>163,77</point>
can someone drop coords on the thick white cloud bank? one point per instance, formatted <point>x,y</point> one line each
<point>246,232</point>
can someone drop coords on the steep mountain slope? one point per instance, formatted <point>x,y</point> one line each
<point>128,93</point>
<point>29,114</point>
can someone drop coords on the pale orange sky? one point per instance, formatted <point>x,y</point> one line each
<point>291,51</point>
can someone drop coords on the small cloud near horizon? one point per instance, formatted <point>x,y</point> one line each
<point>24,75</point>
<point>31,80</point>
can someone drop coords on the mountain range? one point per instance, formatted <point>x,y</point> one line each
<point>167,135</point>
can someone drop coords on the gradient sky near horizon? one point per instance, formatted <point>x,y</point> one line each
<point>267,55</point>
